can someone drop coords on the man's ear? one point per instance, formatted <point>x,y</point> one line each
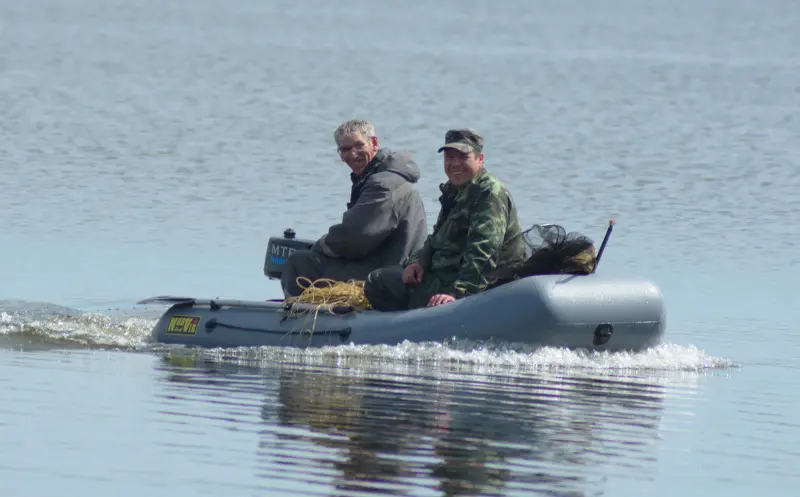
<point>374,140</point>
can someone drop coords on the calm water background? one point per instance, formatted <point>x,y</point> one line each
<point>153,147</point>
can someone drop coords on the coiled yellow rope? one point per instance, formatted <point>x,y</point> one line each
<point>330,293</point>
<point>325,294</point>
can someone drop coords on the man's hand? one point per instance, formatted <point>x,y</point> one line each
<point>412,274</point>
<point>439,299</point>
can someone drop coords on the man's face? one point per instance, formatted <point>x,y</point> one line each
<point>459,167</point>
<point>357,150</point>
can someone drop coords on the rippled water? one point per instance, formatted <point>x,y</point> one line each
<point>458,418</point>
<point>337,423</point>
<point>152,148</point>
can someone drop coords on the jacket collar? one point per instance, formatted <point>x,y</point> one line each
<point>449,190</point>
<point>371,168</point>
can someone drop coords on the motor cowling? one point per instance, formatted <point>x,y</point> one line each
<point>278,250</point>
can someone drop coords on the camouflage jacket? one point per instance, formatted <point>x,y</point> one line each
<point>476,232</point>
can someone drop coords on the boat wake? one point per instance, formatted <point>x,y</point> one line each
<point>475,355</point>
<point>30,327</point>
<point>27,325</point>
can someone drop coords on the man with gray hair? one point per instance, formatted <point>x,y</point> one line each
<point>384,222</point>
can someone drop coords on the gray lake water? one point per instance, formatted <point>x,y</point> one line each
<point>153,147</point>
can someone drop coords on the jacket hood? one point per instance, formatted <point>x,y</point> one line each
<point>400,163</point>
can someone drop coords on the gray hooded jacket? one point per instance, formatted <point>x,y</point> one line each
<point>384,222</point>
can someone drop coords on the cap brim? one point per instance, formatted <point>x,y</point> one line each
<point>461,147</point>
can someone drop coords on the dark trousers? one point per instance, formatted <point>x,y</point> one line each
<point>385,290</point>
<point>301,263</point>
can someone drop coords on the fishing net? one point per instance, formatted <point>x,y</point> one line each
<point>550,250</point>
<point>329,294</point>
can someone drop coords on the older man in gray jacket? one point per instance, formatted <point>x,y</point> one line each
<point>384,222</point>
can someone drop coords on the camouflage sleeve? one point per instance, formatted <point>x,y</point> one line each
<point>421,256</point>
<point>487,227</point>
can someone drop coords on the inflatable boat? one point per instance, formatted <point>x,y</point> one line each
<point>589,311</point>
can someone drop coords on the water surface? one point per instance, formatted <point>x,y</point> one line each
<point>152,148</point>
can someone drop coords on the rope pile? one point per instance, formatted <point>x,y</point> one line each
<point>327,293</point>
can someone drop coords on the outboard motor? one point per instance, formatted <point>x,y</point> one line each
<point>278,250</point>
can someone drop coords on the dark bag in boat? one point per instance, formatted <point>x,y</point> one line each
<point>550,250</point>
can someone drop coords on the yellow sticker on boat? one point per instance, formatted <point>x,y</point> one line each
<point>183,325</point>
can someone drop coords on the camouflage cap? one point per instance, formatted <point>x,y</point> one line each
<point>463,140</point>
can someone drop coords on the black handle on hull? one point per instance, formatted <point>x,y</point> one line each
<point>602,334</point>
<point>212,323</point>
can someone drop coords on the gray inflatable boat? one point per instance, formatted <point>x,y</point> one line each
<point>587,311</point>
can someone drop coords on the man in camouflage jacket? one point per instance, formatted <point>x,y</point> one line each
<point>477,231</point>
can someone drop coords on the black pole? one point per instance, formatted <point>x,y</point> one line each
<point>603,245</point>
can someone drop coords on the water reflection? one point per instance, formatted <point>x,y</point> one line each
<point>378,429</point>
